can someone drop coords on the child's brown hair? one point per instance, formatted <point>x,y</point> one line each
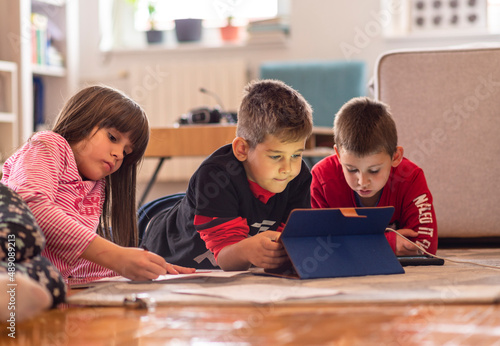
<point>270,107</point>
<point>106,107</point>
<point>364,126</point>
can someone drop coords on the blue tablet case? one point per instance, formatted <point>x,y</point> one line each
<point>326,243</point>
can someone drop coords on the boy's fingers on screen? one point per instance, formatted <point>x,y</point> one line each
<point>405,248</point>
<point>410,248</point>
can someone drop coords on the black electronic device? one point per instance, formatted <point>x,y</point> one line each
<point>420,260</point>
<point>205,115</point>
<point>201,115</point>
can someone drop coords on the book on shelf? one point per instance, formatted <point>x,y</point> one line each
<point>271,30</point>
<point>43,34</point>
<point>272,24</point>
<point>39,37</point>
<point>38,103</point>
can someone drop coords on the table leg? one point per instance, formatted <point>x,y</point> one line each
<point>151,181</point>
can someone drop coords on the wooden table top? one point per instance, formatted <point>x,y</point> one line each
<point>299,324</point>
<point>202,140</point>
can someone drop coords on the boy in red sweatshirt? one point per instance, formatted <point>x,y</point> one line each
<point>368,170</point>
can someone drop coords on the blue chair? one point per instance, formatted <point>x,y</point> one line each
<point>326,85</point>
<point>150,209</point>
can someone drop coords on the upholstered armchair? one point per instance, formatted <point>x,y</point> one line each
<point>446,104</point>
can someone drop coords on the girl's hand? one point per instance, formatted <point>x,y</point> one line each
<point>132,263</point>
<point>403,246</point>
<point>139,264</point>
<point>175,269</point>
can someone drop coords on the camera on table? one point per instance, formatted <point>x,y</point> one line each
<point>204,115</point>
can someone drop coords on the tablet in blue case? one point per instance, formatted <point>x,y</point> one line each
<point>327,243</point>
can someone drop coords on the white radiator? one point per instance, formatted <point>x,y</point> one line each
<point>168,90</point>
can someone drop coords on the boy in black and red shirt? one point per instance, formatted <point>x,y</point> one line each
<point>239,199</point>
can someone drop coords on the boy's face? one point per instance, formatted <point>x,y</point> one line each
<point>273,164</point>
<point>367,175</point>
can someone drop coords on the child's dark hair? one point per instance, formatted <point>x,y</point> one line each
<point>270,107</point>
<point>105,107</point>
<point>364,126</point>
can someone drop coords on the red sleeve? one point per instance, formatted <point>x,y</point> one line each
<point>391,238</point>
<point>317,194</point>
<point>418,213</point>
<point>217,232</point>
<point>329,188</point>
<point>422,219</point>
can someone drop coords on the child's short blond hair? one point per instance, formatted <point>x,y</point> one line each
<point>364,126</point>
<point>270,107</point>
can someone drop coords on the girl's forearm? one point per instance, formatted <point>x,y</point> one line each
<point>102,252</point>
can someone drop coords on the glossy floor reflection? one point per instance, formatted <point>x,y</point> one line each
<point>264,325</point>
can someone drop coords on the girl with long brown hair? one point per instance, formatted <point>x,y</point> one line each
<point>79,180</point>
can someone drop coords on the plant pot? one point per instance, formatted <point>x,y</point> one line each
<point>229,33</point>
<point>154,36</point>
<point>188,29</point>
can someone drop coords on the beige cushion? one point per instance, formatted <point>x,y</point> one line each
<point>446,104</point>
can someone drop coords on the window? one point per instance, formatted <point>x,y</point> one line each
<point>123,22</point>
<point>494,15</point>
<point>214,13</point>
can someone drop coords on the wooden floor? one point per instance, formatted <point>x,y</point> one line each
<point>434,324</point>
<point>364,324</point>
<point>300,324</point>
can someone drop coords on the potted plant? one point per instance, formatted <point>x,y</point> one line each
<point>229,32</point>
<point>188,29</point>
<point>152,34</point>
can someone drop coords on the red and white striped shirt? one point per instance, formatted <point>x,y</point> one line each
<point>67,209</point>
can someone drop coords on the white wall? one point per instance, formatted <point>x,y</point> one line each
<point>320,29</point>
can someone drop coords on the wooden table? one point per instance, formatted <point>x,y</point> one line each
<point>203,140</point>
<point>300,324</point>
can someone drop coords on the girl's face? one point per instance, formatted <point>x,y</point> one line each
<point>102,153</point>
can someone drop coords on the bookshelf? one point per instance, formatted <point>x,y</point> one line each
<point>45,50</point>
<point>8,109</point>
